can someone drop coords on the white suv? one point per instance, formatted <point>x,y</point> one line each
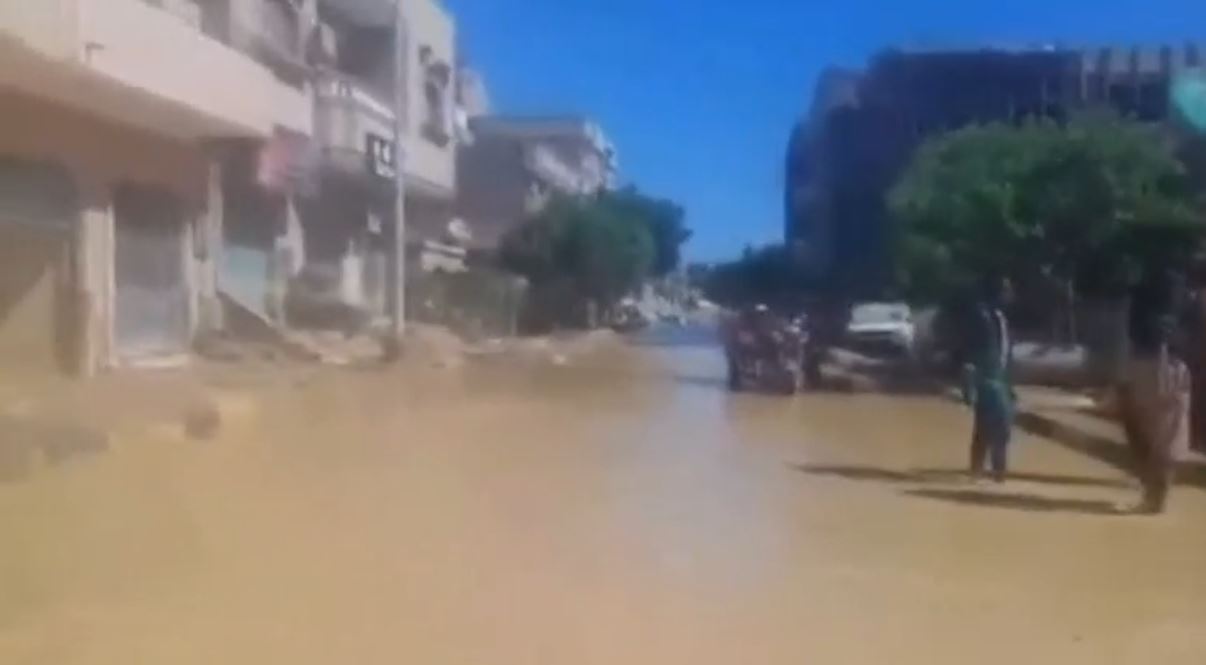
<point>882,325</point>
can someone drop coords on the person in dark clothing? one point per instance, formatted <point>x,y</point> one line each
<point>1195,357</point>
<point>987,384</point>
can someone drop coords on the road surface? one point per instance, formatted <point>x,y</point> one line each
<point>620,509</point>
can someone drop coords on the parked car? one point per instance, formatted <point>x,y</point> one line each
<point>882,326</point>
<point>765,352</point>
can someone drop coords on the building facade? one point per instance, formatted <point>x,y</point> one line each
<point>162,157</point>
<point>863,128</point>
<point>111,156</point>
<point>514,165</point>
<point>348,219</point>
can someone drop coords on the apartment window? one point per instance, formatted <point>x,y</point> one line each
<point>1153,100</point>
<point>437,80</point>
<point>1122,98</point>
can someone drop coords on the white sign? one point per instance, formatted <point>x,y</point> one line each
<point>382,157</point>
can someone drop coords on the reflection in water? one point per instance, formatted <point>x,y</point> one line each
<point>625,508</point>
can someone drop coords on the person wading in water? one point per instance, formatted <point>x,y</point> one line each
<point>987,385</point>
<point>1154,395</point>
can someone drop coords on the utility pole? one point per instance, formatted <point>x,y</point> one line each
<point>397,263</point>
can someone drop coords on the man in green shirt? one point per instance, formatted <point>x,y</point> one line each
<point>987,382</point>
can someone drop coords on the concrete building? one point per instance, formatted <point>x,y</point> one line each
<point>515,164</point>
<point>160,155</point>
<point>117,118</point>
<point>863,127</point>
<point>348,218</point>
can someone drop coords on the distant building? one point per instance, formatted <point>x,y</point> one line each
<point>515,164</point>
<point>863,127</point>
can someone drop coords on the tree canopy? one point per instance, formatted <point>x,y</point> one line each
<point>1083,205</point>
<point>664,219</point>
<point>767,274</point>
<point>595,250</point>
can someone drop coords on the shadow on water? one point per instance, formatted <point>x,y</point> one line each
<point>930,476</point>
<point>1017,501</point>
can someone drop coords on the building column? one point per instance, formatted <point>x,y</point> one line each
<point>93,267</point>
<point>207,250</point>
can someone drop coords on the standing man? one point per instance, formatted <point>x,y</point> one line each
<point>1154,396</point>
<point>987,383</point>
<point>1195,357</point>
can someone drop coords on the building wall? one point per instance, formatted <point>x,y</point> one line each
<point>431,26</point>
<point>493,187</point>
<point>46,26</point>
<point>97,150</point>
<point>515,164</point>
<point>144,66</point>
<point>98,156</point>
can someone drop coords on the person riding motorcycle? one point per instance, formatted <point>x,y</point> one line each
<point>761,346</point>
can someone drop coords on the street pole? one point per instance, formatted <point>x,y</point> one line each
<point>397,282</point>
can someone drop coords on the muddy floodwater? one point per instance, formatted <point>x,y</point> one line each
<point>619,508</point>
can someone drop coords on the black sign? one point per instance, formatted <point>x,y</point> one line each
<point>382,158</point>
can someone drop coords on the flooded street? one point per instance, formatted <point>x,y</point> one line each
<point>621,509</point>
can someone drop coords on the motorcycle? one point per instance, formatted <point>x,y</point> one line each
<point>767,353</point>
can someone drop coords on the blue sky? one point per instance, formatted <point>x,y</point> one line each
<point>699,95</point>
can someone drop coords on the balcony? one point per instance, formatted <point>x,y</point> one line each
<point>348,120</point>
<point>144,63</point>
<point>353,128</point>
<point>272,31</point>
<point>543,163</point>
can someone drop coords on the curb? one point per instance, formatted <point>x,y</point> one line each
<point>1045,426</point>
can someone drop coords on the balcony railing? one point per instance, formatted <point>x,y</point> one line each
<point>544,163</point>
<point>348,118</point>
<point>276,37</point>
<point>349,90</point>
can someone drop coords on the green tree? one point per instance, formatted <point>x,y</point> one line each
<point>664,219</point>
<point>1078,207</point>
<point>579,255</point>
<point>766,274</point>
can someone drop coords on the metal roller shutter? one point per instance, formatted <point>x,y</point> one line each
<point>37,212</point>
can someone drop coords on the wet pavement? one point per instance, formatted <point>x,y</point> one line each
<point>623,508</point>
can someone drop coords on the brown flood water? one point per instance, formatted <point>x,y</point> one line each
<point>622,509</point>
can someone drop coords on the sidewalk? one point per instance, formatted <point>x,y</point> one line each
<point>1074,421</point>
